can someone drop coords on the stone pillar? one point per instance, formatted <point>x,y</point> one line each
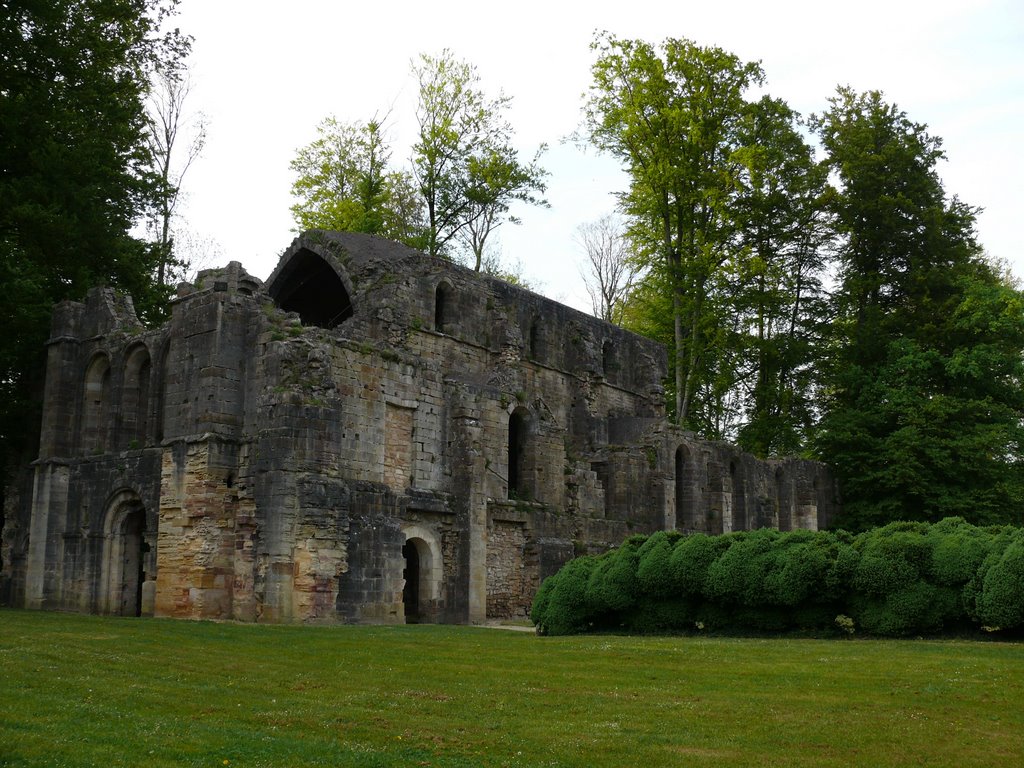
<point>469,475</point>
<point>727,504</point>
<point>196,540</point>
<point>49,508</point>
<point>64,372</point>
<point>805,501</point>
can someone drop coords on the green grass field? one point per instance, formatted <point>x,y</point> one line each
<point>81,690</point>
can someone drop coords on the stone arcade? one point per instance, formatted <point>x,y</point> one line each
<point>372,436</point>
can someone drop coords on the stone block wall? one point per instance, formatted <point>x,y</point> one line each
<point>372,436</point>
<point>513,564</point>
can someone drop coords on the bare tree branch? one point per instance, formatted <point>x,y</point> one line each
<point>168,125</point>
<point>609,273</point>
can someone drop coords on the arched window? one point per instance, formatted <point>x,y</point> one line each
<point>685,501</point>
<point>135,399</point>
<point>442,307</point>
<point>607,359</point>
<point>519,485</point>
<point>533,342</point>
<point>95,408</point>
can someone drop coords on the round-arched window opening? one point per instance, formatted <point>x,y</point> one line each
<point>519,455</point>
<point>311,287</point>
<point>684,490</point>
<point>442,307</point>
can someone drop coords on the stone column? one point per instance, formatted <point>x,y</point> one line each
<point>469,477</point>
<point>49,508</point>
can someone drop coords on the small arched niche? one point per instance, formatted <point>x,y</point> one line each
<point>312,286</point>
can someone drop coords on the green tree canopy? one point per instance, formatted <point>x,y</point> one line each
<point>344,183</point>
<point>672,115</point>
<point>924,386</point>
<point>75,173</point>
<point>783,235</point>
<point>463,159</point>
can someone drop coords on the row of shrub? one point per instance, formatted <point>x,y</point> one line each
<point>902,579</point>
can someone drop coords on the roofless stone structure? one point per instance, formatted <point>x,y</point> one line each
<point>373,435</point>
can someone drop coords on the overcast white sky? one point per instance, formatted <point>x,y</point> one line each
<point>266,72</point>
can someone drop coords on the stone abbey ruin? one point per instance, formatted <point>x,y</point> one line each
<point>373,435</point>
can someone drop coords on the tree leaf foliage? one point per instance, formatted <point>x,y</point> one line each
<point>838,307</point>
<point>344,182</point>
<point>76,172</point>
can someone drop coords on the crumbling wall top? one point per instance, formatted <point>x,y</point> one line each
<point>103,312</point>
<point>232,278</point>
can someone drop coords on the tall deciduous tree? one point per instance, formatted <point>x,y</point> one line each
<point>671,115</point>
<point>467,170</point>
<point>344,183</point>
<point>76,173</point>
<point>783,233</point>
<point>925,384</point>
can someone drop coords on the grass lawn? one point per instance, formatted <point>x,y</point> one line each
<point>83,690</point>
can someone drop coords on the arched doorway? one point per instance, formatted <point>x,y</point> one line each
<point>128,566</point>
<point>421,571</point>
<point>132,576</point>
<point>411,574</point>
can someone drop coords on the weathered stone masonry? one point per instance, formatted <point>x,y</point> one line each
<point>372,436</point>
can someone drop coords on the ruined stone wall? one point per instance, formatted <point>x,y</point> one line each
<point>199,523</point>
<point>373,436</point>
<point>513,562</point>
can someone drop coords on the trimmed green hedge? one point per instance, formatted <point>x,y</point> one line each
<point>902,579</point>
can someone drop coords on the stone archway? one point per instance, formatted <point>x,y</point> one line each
<point>128,570</point>
<point>411,574</point>
<point>313,284</point>
<point>422,571</point>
